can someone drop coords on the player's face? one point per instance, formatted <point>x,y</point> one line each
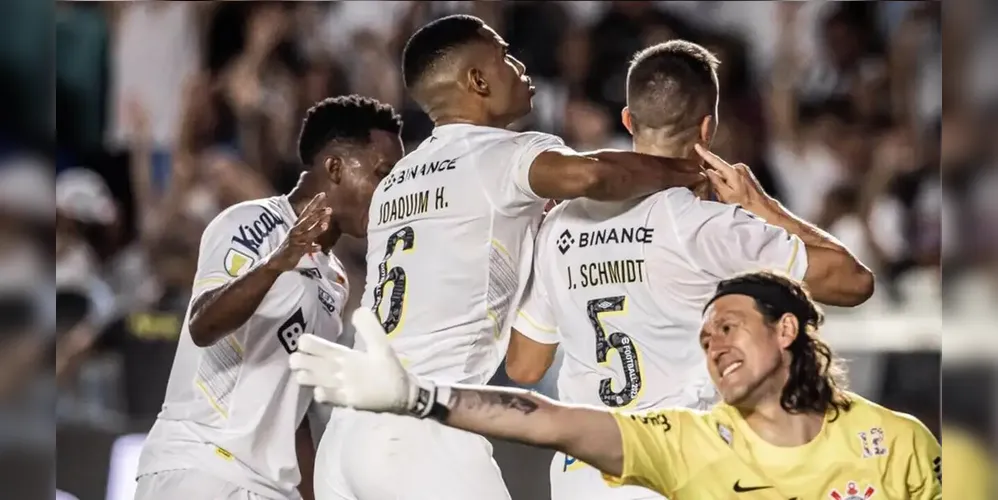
<point>362,169</point>
<point>743,352</point>
<point>511,88</point>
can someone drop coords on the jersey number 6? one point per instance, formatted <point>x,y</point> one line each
<point>624,346</point>
<point>395,276</point>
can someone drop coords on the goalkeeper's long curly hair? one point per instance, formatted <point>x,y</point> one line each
<point>817,377</point>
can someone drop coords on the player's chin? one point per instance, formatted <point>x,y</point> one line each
<point>731,393</point>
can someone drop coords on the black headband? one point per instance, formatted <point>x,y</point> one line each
<point>772,294</point>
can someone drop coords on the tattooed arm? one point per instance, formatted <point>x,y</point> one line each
<point>374,380</point>
<point>589,434</point>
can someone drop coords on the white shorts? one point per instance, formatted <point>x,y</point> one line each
<point>572,479</point>
<point>190,484</point>
<point>367,456</point>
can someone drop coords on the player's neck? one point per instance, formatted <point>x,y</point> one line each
<point>469,120</point>
<point>664,149</point>
<point>471,115</point>
<point>779,427</point>
<point>328,239</point>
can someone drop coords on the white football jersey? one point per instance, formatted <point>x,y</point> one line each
<point>232,409</point>
<point>622,287</point>
<point>450,243</point>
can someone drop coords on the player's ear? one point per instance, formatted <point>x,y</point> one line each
<point>786,330</point>
<point>707,128</point>
<point>477,82</point>
<point>333,165</point>
<point>627,120</point>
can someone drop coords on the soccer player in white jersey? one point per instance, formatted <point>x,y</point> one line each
<point>233,423</point>
<point>450,242</point>
<point>621,285</point>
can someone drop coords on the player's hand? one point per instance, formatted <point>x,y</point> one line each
<point>733,184</point>
<point>372,381</point>
<point>312,222</point>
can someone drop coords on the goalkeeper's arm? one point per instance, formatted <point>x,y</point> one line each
<point>589,434</point>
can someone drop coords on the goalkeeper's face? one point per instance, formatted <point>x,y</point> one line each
<point>745,355</point>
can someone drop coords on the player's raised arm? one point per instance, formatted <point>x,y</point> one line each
<point>608,174</point>
<point>834,275</point>
<point>231,286</point>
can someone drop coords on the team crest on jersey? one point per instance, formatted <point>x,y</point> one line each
<point>852,492</point>
<point>725,433</point>
<point>237,263</point>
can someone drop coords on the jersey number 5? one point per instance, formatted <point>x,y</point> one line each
<point>396,276</point>
<point>624,346</point>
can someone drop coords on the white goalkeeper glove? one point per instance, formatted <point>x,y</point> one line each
<point>372,381</point>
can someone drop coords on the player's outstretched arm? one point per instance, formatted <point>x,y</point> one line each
<point>217,312</point>
<point>589,434</point>
<point>609,175</point>
<point>376,381</point>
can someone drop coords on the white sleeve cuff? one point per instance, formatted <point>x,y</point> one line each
<point>523,174</point>
<point>534,330</point>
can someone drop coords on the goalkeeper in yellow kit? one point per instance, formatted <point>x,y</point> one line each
<point>786,429</point>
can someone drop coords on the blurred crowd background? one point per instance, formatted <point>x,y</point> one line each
<point>169,112</point>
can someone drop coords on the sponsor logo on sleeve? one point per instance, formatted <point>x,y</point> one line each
<point>656,419</point>
<point>237,262</point>
<point>291,331</point>
<point>252,235</point>
<point>872,442</point>
<point>725,433</point>
<point>310,273</point>
<point>327,301</point>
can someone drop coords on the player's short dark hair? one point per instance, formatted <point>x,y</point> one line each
<point>349,118</point>
<point>672,85</point>
<point>817,378</point>
<point>434,41</point>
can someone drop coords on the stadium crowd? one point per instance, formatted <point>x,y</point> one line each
<point>169,112</point>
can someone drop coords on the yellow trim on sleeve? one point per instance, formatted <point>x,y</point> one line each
<point>211,400</point>
<point>534,322</point>
<point>211,281</point>
<point>793,255</point>
<point>235,344</point>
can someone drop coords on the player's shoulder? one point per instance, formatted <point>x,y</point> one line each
<point>681,201</point>
<point>866,414</point>
<point>507,139</point>
<point>250,222</point>
<point>672,417</point>
<point>267,210</point>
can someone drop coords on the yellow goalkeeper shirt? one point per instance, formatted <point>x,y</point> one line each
<point>868,452</point>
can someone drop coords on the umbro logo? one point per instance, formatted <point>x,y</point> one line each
<point>565,241</point>
<point>745,489</point>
